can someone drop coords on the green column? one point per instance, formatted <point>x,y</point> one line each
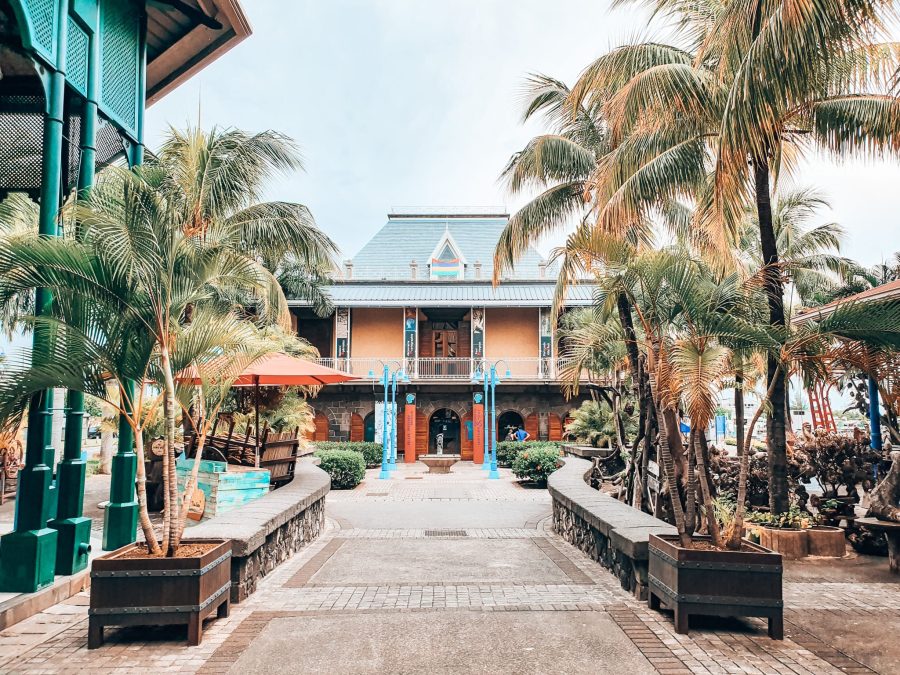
<point>28,554</point>
<point>121,514</point>
<point>74,530</point>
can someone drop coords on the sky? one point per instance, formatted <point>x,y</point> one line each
<point>417,103</point>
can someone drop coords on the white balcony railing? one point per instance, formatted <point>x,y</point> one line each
<point>453,369</point>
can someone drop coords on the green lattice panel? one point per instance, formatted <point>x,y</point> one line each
<point>77,45</point>
<point>120,62</point>
<point>42,21</point>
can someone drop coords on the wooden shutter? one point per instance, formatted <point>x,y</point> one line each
<point>464,342</point>
<point>465,447</point>
<point>426,341</point>
<point>421,434</point>
<point>356,428</point>
<point>555,427</point>
<point>321,432</point>
<point>532,426</point>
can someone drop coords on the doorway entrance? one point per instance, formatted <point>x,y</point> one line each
<point>508,421</point>
<point>369,428</point>
<point>443,433</point>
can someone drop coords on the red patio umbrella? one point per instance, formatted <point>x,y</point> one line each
<point>278,370</point>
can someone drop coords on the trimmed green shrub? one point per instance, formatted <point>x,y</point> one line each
<point>371,452</point>
<point>536,462</point>
<point>346,467</point>
<point>507,451</point>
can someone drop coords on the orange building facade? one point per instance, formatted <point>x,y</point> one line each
<point>419,299</point>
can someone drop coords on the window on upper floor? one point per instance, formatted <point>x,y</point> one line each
<point>447,263</point>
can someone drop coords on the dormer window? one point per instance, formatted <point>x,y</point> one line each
<point>447,263</point>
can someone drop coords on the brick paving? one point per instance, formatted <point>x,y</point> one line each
<point>55,640</point>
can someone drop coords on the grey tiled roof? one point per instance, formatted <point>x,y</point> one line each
<point>451,294</point>
<point>406,238</point>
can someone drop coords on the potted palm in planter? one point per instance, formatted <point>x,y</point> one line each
<point>163,273</point>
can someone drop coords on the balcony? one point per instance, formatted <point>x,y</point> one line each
<point>453,370</point>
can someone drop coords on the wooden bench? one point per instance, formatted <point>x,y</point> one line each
<point>891,532</point>
<point>278,451</point>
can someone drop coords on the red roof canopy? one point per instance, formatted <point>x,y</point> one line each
<point>281,370</point>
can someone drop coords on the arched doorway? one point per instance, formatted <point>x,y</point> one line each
<point>443,432</point>
<point>369,428</point>
<point>508,421</point>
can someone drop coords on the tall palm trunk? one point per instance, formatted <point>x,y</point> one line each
<point>698,437</point>
<point>734,541</point>
<point>140,483</point>
<point>690,516</point>
<point>173,511</point>
<point>671,449</point>
<point>739,407</point>
<point>775,426</point>
<point>638,376</point>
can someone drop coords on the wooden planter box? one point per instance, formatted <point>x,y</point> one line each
<point>828,542</point>
<point>716,583</point>
<point>792,544</point>
<point>157,591</point>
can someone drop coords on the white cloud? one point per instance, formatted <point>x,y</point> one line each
<point>415,102</point>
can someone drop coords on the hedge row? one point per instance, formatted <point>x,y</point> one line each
<point>371,452</point>
<point>346,467</point>
<point>507,451</point>
<point>536,463</point>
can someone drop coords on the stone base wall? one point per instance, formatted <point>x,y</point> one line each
<point>268,531</point>
<point>631,573</point>
<point>280,545</point>
<point>340,406</point>
<point>609,531</point>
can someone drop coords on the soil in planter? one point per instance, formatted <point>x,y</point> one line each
<point>184,551</point>
<point>708,546</point>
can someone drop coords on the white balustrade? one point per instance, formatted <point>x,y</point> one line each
<point>453,369</point>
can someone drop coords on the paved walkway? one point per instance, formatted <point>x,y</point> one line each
<point>456,574</point>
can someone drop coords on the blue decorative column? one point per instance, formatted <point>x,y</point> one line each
<point>385,449</point>
<point>874,415</point>
<point>494,474</point>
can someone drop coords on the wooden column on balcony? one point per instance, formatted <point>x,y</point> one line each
<point>477,341</point>
<point>545,324</point>
<point>410,341</point>
<point>341,336</point>
<point>409,429</point>
<point>478,429</point>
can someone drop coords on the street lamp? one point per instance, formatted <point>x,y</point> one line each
<point>397,375</point>
<point>490,383</point>
<point>389,382</point>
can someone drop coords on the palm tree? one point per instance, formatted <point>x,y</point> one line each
<point>810,255</point>
<point>216,179</point>
<point>558,165</point>
<point>138,297</point>
<point>714,120</point>
<point>688,318</point>
<point>18,218</point>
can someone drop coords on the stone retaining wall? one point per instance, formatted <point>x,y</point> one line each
<point>270,530</point>
<point>586,451</point>
<point>609,531</point>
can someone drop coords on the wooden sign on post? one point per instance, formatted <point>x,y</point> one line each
<point>478,429</point>
<point>409,429</point>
